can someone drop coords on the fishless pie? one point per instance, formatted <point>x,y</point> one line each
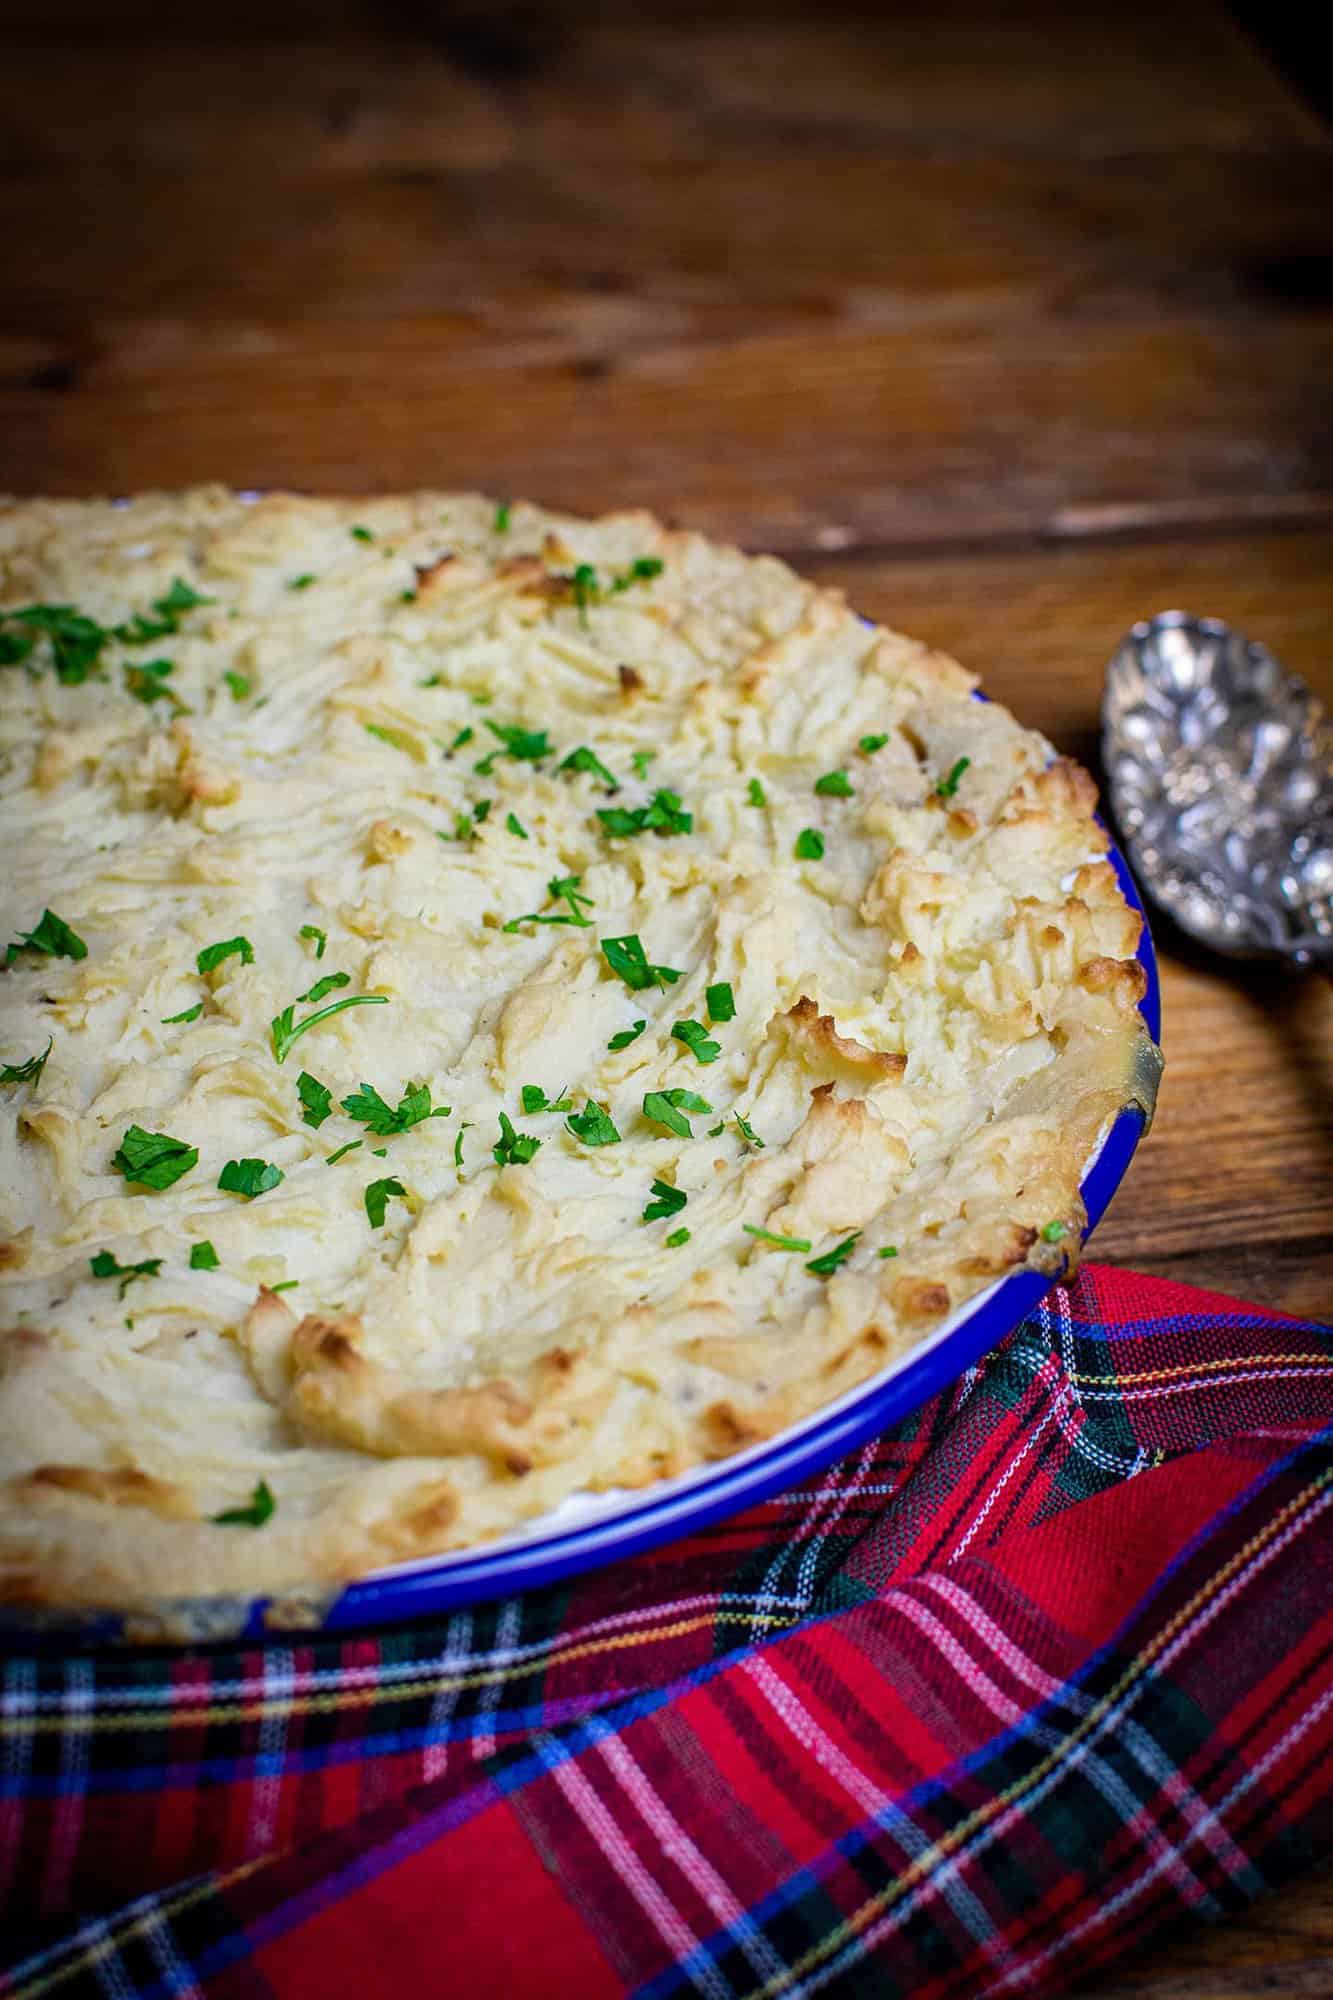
<point>499,1005</point>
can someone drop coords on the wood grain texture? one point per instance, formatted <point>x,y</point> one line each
<point>1016,323</point>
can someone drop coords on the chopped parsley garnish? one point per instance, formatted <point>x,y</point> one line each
<point>668,1107</point>
<point>213,955</point>
<point>778,1242</point>
<point>360,534</point>
<point>179,598</point>
<point>147,682</point>
<point>721,1002</point>
<point>628,960</point>
<point>76,641</point>
<point>316,1099</point>
<point>104,1265</point>
<point>755,793</point>
<point>203,1257</point>
<point>834,785</point>
<point>584,759</point>
<point>513,824</point>
<point>535,1100</point>
<point>514,1149</point>
<point>809,844</point>
<point>561,888</point>
<point>369,1108</point>
<point>748,1133</point>
<point>593,1125</point>
<point>332,1159</point>
<point>641,570</point>
<point>481,810</point>
<point>287,1285</point>
<point>697,1040</point>
<point>948,786</point>
<point>153,1159</point>
<point>29,1071</point>
<point>329,983</point>
<point>240,684</point>
<point>870,744</point>
<point>249,1177</point>
<point>677,1239</point>
<point>466,1126</point>
<point>526,745</point>
<point>667,1200</point>
<point>583,583</point>
<point>53,936</point>
<point>889,1250</point>
<point>662,816</point>
<point>465,735</point>
<point>395,738</point>
<point>301,582</point>
<point>464,828</point>
<point>825,1266</point>
<point>1054,1231</point>
<point>186,1014</point>
<point>286,1029</point>
<point>377,1198</point>
<point>261,1508</point>
<point>319,938</point>
<point>500,525</point>
<point>716,1131</point>
<point>641,759</point>
<point>626,1036</point>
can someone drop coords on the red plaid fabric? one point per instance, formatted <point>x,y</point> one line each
<point>1040,1673</point>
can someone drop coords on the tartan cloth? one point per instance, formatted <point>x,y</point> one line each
<point>1036,1675</point>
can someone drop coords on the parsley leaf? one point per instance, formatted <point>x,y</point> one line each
<point>677,1238</point>
<point>332,1159</point>
<point>778,1242</point>
<point>213,954</point>
<point>466,1126</point>
<point>641,570</point>
<point>748,1133</point>
<point>526,745</point>
<point>465,735</point>
<point>834,785</point>
<point>628,960</point>
<point>320,938</point>
<point>809,844</point>
<point>360,534</point>
<point>1053,1232</point>
<point>641,759</point>
<point>369,1108</point>
<point>584,759</point>
<point>584,585</point>
<point>240,684</point>
<point>261,1509</point>
<point>328,983</point>
<point>593,1125</point>
<point>286,1029</point>
<point>561,888</point>
<point>755,793</point>
<point>948,786</point>
<point>515,1149</point>
<point>301,582</point>
<point>147,682</point>
<point>513,824</point>
<point>697,1040</point>
<point>667,1200</point>
<point>870,744</point>
<point>203,1257</point>
<point>153,1159</point>
<point>535,1100</point>
<point>377,1198</point>
<point>662,816</point>
<point>889,1250</point>
<point>29,1071</point>
<point>316,1099</point>
<point>179,598</point>
<point>53,936</point>
<point>186,1014</point>
<point>104,1265</point>
<point>627,1035</point>
<point>76,641</point>
<point>249,1177</point>
<point>500,525</point>
<point>721,1002</point>
<point>668,1107</point>
<point>825,1266</point>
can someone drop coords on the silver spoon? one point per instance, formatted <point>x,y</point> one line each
<point>1220,770</point>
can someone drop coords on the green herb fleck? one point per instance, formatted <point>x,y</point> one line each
<point>261,1508</point>
<point>668,1107</point>
<point>809,844</point>
<point>748,1133</point>
<point>286,1029</point>
<point>287,1285</point>
<point>514,1149</point>
<point>535,1100</point>
<point>147,682</point>
<point>662,816</point>
<point>667,1200</point>
<point>318,937</point>
<point>500,525</point>
<point>76,641</point>
<point>721,1002</point>
<point>677,1239</point>
<point>825,1266</point>
<point>464,735</point>
<point>626,1036</point>
<point>755,793</point>
<point>628,960</point>
<point>583,583</point>
<point>948,786</point>
<point>697,1040</point>
<point>329,983</point>
<point>593,1125</point>
<point>360,534</point>
<point>369,1108</point>
<point>203,1257</point>
<point>153,1159</point>
<point>53,936</point>
<point>249,1177</point>
<point>641,759</point>
<point>213,955</point>
<point>870,744</point>
<point>561,888</point>
<point>104,1265</point>
<point>513,824</point>
<point>642,570</point>
<point>1054,1231</point>
<point>525,745</point>
<point>834,785</point>
<point>585,759</point>
<point>186,1014</point>
<point>240,684</point>
<point>29,1071</point>
<point>466,1126</point>
<point>301,582</point>
<point>332,1159</point>
<point>778,1242</point>
<point>316,1099</point>
<point>889,1250</point>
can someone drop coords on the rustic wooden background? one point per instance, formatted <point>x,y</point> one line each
<point>1014,321</point>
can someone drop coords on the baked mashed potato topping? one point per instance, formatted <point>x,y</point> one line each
<point>499,1005</point>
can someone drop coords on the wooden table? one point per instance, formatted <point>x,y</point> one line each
<point>1012,322</point>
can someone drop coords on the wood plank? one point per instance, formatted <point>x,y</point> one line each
<point>1280,1949</point>
<point>1234,1187</point>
